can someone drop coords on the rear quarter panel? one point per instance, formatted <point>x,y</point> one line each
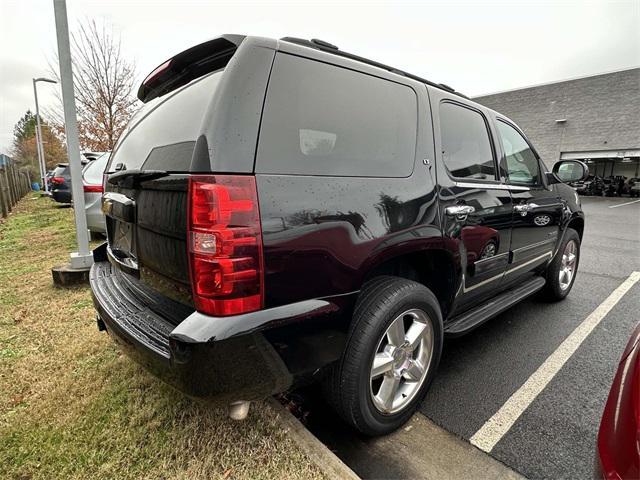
<point>322,234</point>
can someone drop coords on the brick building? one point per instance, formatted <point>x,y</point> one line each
<point>595,119</point>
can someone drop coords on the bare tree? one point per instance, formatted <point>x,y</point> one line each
<point>104,87</point>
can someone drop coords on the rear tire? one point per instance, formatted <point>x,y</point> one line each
<point>561,272</point>
<point>392,353</point>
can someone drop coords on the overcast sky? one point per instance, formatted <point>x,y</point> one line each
<point>476,47</point>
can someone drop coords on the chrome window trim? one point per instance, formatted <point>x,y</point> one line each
<point>493,186</point>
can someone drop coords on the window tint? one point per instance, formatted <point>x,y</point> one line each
<point>466,148</point>
<point>163,139</point>
<point>324,120</point>
<point>93,172</point>
<point>520,162</point>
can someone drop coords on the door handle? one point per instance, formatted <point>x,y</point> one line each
<point>524,208</point>
<point>461,212</point>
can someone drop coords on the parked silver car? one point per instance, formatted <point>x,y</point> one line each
<point>92,183</point>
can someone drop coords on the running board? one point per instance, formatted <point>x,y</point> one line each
<point>467,321</point>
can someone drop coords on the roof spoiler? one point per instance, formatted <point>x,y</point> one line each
<point>189,65</point>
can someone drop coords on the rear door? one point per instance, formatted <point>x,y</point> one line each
<point>476,208</point>
<point>537,207</point>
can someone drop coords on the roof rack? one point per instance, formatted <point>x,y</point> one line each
<point>330,48</point>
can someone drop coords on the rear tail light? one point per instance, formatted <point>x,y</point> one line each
<point>157,72</point>
<point>92,188</point>
<point>224,241</point>
<point>57,180</point>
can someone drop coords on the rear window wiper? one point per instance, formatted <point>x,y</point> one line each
<point>140,175</point>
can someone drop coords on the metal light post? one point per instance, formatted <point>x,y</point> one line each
<point>39,147</point>
<point>82,259</point>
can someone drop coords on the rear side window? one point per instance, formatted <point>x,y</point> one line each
<point>466,148</point>
<point>320,119</point>
<point>93,172</point>
<point>165,136</point>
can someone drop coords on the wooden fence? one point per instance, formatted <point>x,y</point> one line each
<point>13,184</point>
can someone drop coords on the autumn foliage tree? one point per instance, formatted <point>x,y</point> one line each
<point>24,145</point>
<point>104,84</point>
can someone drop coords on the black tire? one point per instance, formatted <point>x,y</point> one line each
<point>554,290</point>
<point>347,387</point>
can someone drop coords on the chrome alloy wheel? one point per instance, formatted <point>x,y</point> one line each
<point>568,264</point>
<point>401,362</point>
<point>489,250</point>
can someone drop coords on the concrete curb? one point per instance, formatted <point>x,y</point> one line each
<point>318,453</point>
<point>423,450</point>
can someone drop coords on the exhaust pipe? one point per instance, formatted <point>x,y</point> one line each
<point>101,326</point>
<point>239,410</point>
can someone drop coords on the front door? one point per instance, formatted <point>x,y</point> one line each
<point>537,209</point>
<point>476,208</point>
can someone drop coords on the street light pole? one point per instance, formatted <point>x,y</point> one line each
<point>42,172</point>
<point>82,259</point>
<point>39,147</point>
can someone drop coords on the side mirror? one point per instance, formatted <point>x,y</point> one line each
<point>567,171</point>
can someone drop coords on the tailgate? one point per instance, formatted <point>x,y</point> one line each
<point>146,232</point>
<point>201,115</point>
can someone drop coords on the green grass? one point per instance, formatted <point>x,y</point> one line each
<point>73,406</point>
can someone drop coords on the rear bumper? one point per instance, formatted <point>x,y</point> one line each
<point>215,358</point>
<point>96,222</point>
<point>61,196</point>
<point>95,218</point>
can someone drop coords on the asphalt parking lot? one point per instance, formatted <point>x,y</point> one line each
<point>555,435</point>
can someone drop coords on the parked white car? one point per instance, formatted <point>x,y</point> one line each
<point>92,183</point>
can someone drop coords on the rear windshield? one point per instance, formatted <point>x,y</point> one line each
<point>93,172</point>
<point>321,119</point>
<point>164,138</point>
<point>60,171</point>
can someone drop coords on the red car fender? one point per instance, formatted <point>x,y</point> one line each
<point>619,436</point>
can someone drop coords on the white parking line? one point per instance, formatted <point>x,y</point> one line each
<point>623,204</point>
<point>499,424</point>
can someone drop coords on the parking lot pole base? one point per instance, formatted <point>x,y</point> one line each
<point>67,276</point>
<point>81,260</point>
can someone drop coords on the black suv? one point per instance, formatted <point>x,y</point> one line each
<point>281,211</point>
